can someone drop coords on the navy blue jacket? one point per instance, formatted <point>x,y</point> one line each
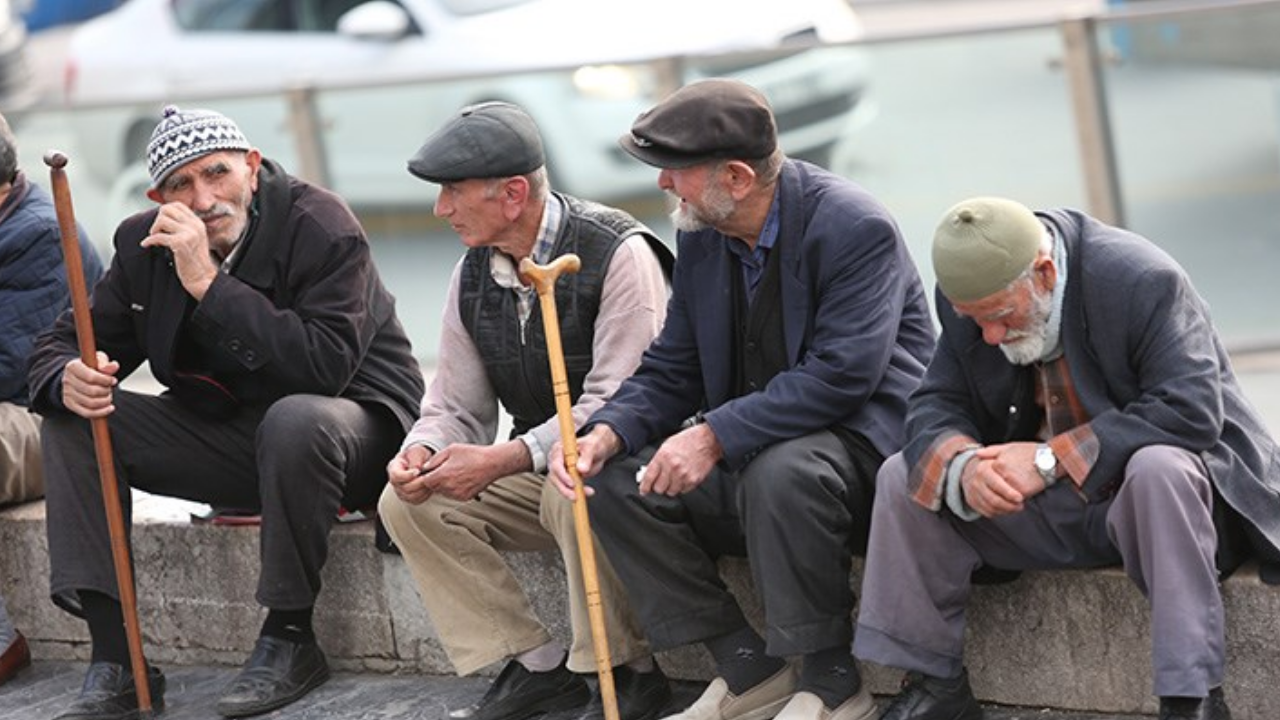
<point>856,321</point>
<point>33,280</point>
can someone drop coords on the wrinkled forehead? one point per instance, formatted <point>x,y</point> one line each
<point>231,159</point>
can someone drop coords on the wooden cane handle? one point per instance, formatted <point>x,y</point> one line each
<point>543,277</point>
<point>55,159</point>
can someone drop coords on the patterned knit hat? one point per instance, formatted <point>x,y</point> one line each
<point>184,135</point>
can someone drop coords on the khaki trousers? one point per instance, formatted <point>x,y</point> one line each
<point>21,475</point>
<point>453,550</point>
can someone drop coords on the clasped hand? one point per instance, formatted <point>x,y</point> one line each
<point>999,479</point>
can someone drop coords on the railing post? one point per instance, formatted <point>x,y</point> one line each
<point>304,125</point>
<point>1083,63</point>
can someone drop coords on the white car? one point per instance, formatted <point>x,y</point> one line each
<point>388,72</point>
<point>16,92</point>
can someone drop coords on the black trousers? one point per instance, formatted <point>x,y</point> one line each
<point>295,461</point>
<point>797,511</point>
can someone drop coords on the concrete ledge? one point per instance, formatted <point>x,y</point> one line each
<point>1075,640</point>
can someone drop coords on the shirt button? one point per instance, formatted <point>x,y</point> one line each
<point>234,346</point>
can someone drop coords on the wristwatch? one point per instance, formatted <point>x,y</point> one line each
<point>1046,464</point>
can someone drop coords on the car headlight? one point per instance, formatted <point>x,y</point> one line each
<point>612,82</point>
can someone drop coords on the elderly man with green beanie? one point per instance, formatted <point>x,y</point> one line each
<point>1080,411</point>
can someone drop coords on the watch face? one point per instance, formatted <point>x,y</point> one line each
<point>1045,459</point>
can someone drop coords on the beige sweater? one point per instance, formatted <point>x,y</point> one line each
<point>460,406</point>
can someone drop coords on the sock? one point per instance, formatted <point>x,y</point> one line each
<point>291,625</point>
<point>106,628</point>
<point>741,660</point>
<point>543,658</point>
<point>832,675</point>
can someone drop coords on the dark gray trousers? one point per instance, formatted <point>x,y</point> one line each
<point>796,511</point>
<point>1159,526</point>
<point>296,462</point>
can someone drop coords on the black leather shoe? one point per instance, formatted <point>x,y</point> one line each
<point>277,673</point>
<point>519,693</point>
<point>641,696</point>
<point>1213,707</point>
<point>924,697</point>
<point>108,693</point>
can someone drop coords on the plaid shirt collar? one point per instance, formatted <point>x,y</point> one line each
<point>504,268</point>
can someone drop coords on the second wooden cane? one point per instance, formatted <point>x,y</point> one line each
<point>543,279</point>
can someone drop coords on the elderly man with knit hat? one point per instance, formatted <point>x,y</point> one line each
<point>289,381</point>
<point>756,422</point>
<point>1080,411</point>
<point>458,496</point>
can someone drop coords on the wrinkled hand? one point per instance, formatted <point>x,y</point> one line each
<point>461,471</point>
<point>594,450</point>
<point>682,462</point>
<point>998,479</point>
<point>179,229</point>
<point>88,392</point>
<point>403,474</point>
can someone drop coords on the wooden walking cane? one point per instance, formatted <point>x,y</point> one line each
<point>101,436</point>
<point>543,279</point>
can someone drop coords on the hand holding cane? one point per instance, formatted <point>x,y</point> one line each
<point>101,436</point>
<point>543,279</point>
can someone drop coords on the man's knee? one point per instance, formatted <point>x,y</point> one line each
<point>300,422</point>
<point>64,431</point>
<point>1159,470</point>
<point>891,480</point>
<point>555,512</point>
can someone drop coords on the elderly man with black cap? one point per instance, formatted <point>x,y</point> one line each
<point>756,422</point>
<point>289,381</point>
<point>456,498</point>
<point>1080,411</point>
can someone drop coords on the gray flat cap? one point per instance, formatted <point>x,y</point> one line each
<point>715,119</point>
<point>488,140</point>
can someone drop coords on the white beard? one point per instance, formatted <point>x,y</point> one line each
<point>1028,346</point>
<point>716,207</point>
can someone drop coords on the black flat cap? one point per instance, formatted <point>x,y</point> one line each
<point>707,120</point>
<point>488,140</point>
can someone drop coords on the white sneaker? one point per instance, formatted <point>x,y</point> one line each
<point>807,706</point>
<point>761,702</point>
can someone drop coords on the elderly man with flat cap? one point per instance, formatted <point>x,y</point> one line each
<point>457,497</point>
<point>1080,411</point>
<point>755,425</point>
<point>288,378</point>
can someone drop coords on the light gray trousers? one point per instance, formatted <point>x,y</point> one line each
<point>1159,526</point>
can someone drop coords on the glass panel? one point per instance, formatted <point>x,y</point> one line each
<point>1193,105</point>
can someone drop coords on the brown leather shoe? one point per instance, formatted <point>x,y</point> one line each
<point>15,657</point>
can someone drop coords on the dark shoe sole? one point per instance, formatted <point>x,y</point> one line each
<point>277,702</point>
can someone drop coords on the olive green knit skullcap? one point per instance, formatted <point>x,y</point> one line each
<point>982,245</point>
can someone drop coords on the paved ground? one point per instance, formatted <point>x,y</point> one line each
<point>41,691</point>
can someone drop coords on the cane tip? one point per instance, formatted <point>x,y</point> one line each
<point>55,159</point>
